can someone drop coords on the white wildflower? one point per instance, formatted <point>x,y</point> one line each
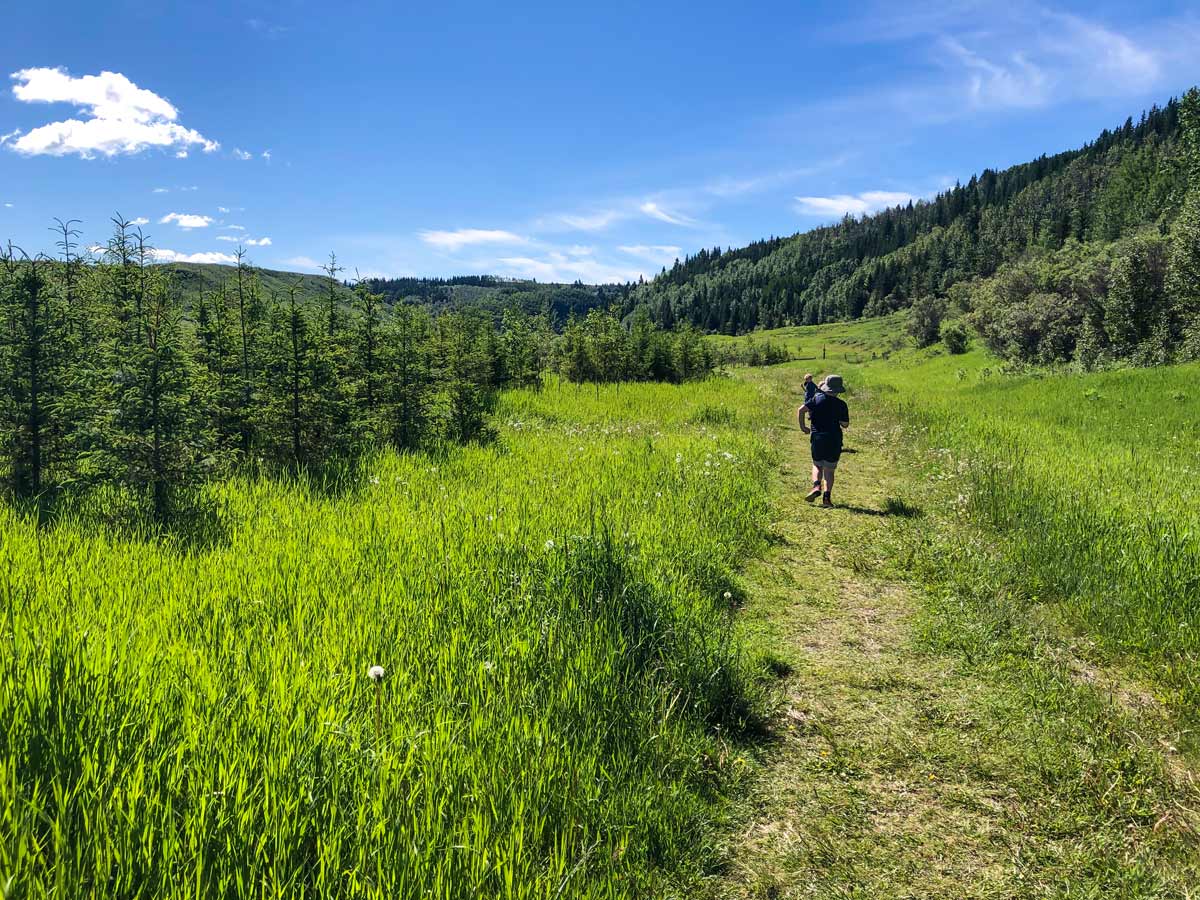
<point>375,673</point>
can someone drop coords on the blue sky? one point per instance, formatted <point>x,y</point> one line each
<point>552,140</point>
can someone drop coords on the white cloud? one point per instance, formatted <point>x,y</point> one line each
<point>4,138</point>
<point>190,187</point>
<point>181,154</point>
<point>161,190</point>
<point>302,262</point>
<point>121,118</point>
<point>222,209</point>
<point>562,267</point>
<point>266,154</point>
<point>1016,82</point>
<point>241,154</point>
<point>140,220</point>
<point>236,227</point>
<point>464,237</point>
<point>663,254</point>
<point>249,242</point>
<point>590,221</point>
<point>186,220</point>
<point>654,211</point>
<point>8,204</point>
<point>851,204</point>
<point>205,257</point>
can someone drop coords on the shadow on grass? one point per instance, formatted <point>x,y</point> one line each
<point>892,506</point>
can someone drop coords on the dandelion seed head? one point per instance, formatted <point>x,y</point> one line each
<point>375,673</point>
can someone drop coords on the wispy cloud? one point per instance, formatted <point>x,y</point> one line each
<point>186,220</point>
<point>661,254</point>
<point>560,266</point>
<point>267,29</point>
<point>655,211</point>
<point>1018,54</point>
<point>241,154</point>
<point>302,262</point>
<point>851,204</point>
<point>249,242</point>
<point>140,220</point>
<point>119,117</point>
<point>452,241</point>
<point>594,221</point>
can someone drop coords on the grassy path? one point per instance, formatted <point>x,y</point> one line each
<point>899,768</point>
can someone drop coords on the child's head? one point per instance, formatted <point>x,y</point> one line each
<point>807,377</point>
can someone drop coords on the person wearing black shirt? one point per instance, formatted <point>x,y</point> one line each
<point>810,387</point>
<point>829,416</point>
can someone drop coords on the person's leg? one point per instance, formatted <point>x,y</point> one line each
<point>827,474</point>
<point>816,484</point>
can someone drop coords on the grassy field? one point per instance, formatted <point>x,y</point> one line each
<point>987,654</point>
<point>554,614</point>
<point>1089,484</point>
<point>933,740</point>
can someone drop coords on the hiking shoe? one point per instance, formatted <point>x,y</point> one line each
<point>826,503</point>
<point>812,495</point>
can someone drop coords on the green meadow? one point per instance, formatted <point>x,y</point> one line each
<point>1087,483</point>
<point>554,616</point>
<point>570,706</point>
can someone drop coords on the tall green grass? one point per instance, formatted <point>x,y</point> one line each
<point>551,612</point>
<point>1088,484</point>
<point>1092,484</point>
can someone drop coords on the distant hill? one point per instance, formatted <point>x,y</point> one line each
<point>1128,178</point>
<point>438,294</point>
<point>192,278</point>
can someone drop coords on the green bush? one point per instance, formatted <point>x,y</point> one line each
<point>956,336</point>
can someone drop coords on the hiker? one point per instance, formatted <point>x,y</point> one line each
<point>829,415</point>
<point>810,387</point>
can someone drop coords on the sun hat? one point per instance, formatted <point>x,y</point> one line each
<point>832,385</point>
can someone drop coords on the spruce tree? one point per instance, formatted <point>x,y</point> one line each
<point>406,391</point>
<point>154,437</point>
<point>33,366</point>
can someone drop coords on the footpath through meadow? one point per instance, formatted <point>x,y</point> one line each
<point>898,768</point>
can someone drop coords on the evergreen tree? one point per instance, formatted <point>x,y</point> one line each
<point>367,326</point>
<point>154,435</point>
<point>1183,276</point>
<point>32,368</point>
<point>406,391</point>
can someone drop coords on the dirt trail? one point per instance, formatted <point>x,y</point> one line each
<point>890,774</point>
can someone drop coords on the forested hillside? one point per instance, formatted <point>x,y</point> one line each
<point>487,292</point>
<point>1091,252</point>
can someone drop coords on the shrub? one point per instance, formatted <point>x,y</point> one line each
<point>955,336</point>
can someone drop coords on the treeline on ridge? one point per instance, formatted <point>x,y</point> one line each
<point>109,380</point>
<point>1091,254</point>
